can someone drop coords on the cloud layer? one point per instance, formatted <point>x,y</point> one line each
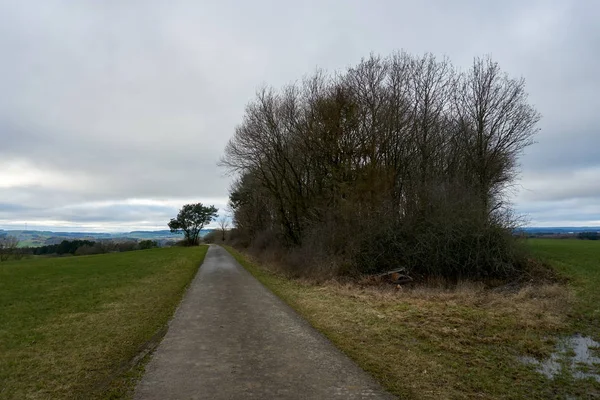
<point>114,114</point>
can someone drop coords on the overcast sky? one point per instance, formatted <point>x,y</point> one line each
<point>113,114</point>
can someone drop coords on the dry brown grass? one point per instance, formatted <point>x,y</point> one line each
<point>432,342</point>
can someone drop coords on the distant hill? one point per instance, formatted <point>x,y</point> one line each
<point>559,230</point>
<point>33,238</point>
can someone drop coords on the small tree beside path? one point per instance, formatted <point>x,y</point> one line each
<point>191,219</point>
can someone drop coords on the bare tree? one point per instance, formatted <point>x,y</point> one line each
<point>223,222</point>
<point>496,123</point>
<point>9,247</point>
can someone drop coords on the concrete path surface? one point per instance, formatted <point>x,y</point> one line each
<point>231,338</point>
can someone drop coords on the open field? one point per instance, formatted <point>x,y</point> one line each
<point>72,327</point>
<point>580,261</point>
<point>433,343</point>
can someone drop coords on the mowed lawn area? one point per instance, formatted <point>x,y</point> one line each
<point>73,327</point>
<point>430,342</point>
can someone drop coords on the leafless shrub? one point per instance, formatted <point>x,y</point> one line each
<point>210,237</point>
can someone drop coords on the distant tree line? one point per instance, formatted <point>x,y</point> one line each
<point>64,247</point>
<point>588,236</point>
<point>398,162</point>
<point>72,247</point>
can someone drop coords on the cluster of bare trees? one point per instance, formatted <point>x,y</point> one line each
<point>400,161</point>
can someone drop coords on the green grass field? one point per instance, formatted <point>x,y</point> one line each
<point>579,260</point>
<point>464,343</point>
<point>72,327</point>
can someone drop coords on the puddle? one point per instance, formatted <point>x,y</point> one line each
<point>579,354</point>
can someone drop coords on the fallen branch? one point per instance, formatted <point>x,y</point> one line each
<point>396,276</point>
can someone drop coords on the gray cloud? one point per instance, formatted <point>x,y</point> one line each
<point>114,101</point>
<point>571,212</point>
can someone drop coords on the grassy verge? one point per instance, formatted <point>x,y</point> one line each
<point>580,261</point>
<point>431,343</point>
<point>72,327</point>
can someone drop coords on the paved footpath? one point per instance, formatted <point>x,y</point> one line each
<point>231,338</point>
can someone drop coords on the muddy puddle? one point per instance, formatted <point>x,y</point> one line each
<point>580,355</point>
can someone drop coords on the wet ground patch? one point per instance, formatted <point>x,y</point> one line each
<point>577,355</point>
